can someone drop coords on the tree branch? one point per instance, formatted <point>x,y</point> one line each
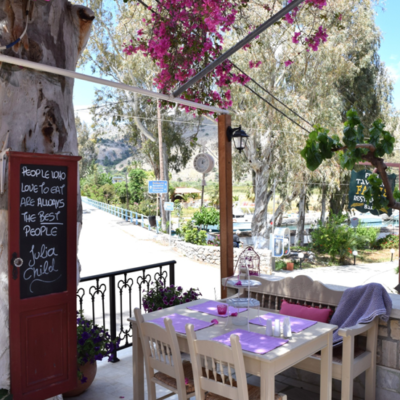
<point>381,167</point>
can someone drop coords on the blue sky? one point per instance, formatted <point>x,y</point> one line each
<point>388,22</point>
<point>386,19</point>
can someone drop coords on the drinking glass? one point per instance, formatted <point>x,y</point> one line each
<point>222,310</point>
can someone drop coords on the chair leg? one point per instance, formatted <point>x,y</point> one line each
<point>370,373</point>
<point>347,368</point>
<point>151,389</point>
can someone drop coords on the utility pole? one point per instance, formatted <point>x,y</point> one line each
<point>127,192</point>
<point>160,150</point>
<point>203,183</point>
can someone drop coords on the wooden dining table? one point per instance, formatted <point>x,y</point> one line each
<point>302,345</point>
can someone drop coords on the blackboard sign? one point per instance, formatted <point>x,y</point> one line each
<point>43,229</point>
<point>358,185</point>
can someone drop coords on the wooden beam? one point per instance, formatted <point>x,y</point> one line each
<point>225,199</point>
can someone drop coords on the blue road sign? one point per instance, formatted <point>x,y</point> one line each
<point>169,206</point>
<point>158,187</point>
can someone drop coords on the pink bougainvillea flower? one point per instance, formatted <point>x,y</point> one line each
<point>238,283</point>
<point>288,62</point>
<point>234,314</point>
<point>295,38</point>
<point>167,39</point>
<point>214,321</point>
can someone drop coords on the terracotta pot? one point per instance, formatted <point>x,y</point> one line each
<point>289,266</point>
<point>89,371</point>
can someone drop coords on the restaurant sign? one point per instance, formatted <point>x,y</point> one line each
<point>358,186</point>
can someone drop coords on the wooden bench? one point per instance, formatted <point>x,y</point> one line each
<point>358,352</point>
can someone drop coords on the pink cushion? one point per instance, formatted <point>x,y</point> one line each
<point>311,313</point>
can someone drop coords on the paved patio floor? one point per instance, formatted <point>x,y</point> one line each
<point>114,382</point>
<point>351,275</point>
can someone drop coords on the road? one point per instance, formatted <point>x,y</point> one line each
<point>108,243</point>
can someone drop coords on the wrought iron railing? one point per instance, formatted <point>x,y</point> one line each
<point>127,215</point>
<point>122,284</point>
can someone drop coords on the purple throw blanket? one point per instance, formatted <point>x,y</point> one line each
<point>360,305</point>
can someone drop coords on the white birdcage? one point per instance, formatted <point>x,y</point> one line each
<point>247,264</point>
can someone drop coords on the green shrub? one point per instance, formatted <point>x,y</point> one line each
<point>206,216</point>
<point>388,242</point>
<point>145,207</point>
<point>279,265</point>
<point>370,233</point>
<point>336,238</point>
<point>192,235</point>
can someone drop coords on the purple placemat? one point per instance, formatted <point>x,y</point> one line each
<point>179,322</point>
<point>210,307</point>
<point>251,341</point>
<point>296,324</point>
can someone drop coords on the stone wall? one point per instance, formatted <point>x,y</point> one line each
<point>211,254</point>
<point>387,370</point>
<point>388,374</point>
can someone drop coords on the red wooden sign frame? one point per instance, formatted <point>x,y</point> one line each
<point>42,329</point>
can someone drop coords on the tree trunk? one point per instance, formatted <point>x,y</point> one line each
<point>280,217</point>
<point>259,225</point>
<point>166,178</point>
<point>323,204</point>
<point>302,217</point>
<point>36,108</point>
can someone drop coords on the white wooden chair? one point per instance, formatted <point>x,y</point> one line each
<point>211,384</point>
<point>161,353</point>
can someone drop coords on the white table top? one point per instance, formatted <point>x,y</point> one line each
<point>297,340</point>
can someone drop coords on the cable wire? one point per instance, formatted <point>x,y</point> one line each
<point>8,46</point>
<point>265,90</point>
<point>275,108</point>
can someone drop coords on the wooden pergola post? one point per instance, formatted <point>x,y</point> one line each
<point>225,199</point>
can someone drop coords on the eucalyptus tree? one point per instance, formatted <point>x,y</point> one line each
<point>36,109</point>
<point>136,115</point>
<point>307,83</point>
<point>86,147</point>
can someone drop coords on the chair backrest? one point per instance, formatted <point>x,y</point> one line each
<point>299,290</point>
<point>217,359</point>
<point>161,349</point>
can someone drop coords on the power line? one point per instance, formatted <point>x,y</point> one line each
<point>190,123</point>
<point>263,88</point>
<point>155,119</point>
<point>275,108</point>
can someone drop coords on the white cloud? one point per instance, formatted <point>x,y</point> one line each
<point>394,72</point>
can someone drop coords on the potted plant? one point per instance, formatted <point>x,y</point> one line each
<point>289,266</point>
<point>94,343</point>
<point>159,297</point>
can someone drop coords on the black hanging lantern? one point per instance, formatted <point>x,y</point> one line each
<point>239,137</point>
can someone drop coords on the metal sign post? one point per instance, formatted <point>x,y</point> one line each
<point>169,206</point>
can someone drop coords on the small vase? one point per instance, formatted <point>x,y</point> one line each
<point>289,266</point>
<point>88,370</point>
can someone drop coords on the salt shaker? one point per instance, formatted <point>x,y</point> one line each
<point>287,329</point>
<point>277,328</point>
<point>268,328</point>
